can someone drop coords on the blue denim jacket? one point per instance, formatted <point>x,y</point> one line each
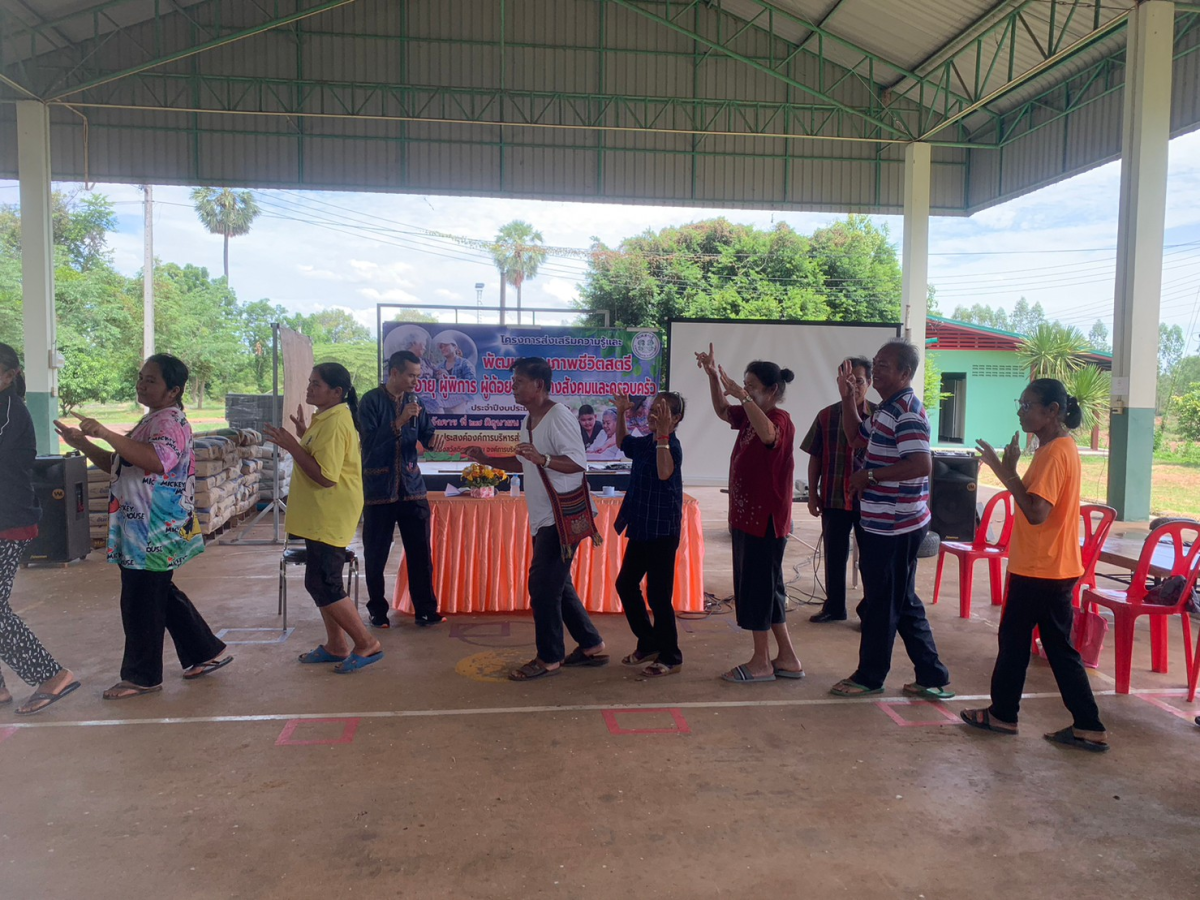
<point>389,459</point>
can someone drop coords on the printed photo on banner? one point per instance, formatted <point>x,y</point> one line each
<point>465,380</point>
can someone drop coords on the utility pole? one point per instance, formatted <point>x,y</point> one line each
<point>148,276</point>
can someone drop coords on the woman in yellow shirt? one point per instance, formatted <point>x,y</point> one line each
<point>324,506</point>
<point>1043,565</point>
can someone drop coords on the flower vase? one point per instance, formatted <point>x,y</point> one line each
<point>483,493</point>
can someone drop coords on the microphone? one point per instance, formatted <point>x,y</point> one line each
<point>409,397</point>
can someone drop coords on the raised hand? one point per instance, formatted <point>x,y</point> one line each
<point>731,387</point>
<point>707,361</point>
<point>845,379</point>
<point>298,421</point>
<point>409,412</point>
<point>72,436</point>
<point>531,453</point>
<point>1012,453</point>
<point>282,437</point>
<point>660,417</point>
<point>90,427</point>
<point>622,401</point>
<point>475,454</point>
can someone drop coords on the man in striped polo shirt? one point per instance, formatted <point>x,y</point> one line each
<point>894,489</point>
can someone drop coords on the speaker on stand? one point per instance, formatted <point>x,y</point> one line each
<point>952,490</point>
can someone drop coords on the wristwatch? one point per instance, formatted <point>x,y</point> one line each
<point>871,479</point>
<point>546,462</point>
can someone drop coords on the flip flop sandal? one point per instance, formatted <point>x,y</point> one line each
<point>929,693</point>
<point>792,674</point>
<point>633,659</point>
<point>319,655</point>
<point>205,667</point>
<point>532,670</point>
<point>848,688</point>
<point>354,662</point>
<point>660,670</point>
<point>577,658</point>
<point>50,700</point>
<point>742,675</point>
<point>982,719</point>
<point>135,690</point>
<point>1067,738</point>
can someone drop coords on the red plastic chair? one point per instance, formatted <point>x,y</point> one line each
<point>1097,521</point>
<point>1184,540</point>
<point>994,552</point>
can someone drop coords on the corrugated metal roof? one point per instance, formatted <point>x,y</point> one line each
<point>630,100</point>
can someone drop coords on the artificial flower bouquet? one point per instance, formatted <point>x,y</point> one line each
<point>481,480</point>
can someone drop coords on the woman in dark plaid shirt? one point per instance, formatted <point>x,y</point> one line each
<point>652,514</point>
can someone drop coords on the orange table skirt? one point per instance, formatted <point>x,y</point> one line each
<point>482,550</point>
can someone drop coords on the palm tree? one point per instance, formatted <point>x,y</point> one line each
<point>1092,387</point>
<point>1053,350</point>
<point>225,212</point>
<point>517,252</point>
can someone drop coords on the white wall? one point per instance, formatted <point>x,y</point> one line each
<point>812,350</point>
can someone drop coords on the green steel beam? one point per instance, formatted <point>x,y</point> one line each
<point>203,46</point>
<point>242,95</point>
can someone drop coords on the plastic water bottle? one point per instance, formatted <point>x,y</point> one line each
<point>514,488</point>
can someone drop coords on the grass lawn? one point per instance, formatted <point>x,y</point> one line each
<point>1175,488</point>
<point>121,417</point>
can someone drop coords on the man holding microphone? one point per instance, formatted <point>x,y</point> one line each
<point>392,422</point>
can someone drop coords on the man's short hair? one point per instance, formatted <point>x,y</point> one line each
<point>586,410</point>
<point>905,354</point>
<point>535,368</point>
<point>401,357</point>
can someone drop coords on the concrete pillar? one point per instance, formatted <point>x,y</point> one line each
<point>37,270</point>
<point>915,251</point>
<point>1145,135</point>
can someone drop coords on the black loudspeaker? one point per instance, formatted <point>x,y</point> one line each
<point>952,488</point>
<point>60,483</point>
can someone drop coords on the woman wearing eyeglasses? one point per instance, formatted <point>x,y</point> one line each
<point>1044,563</point>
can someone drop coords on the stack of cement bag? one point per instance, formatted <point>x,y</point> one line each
<point>227,476</point>
<point>266,484</point>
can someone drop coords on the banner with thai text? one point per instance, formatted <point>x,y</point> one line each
<point>466,384</point>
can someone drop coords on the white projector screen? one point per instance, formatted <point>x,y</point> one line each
<point>813,350</point>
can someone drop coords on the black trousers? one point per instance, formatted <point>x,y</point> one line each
<point>655,561</point>
<point>759,588</point>
<point>1046,603</point>
<point>379,524</point>
<point>836,527</point>
<point>150,604</point>
<point>891,606</point>
<point>554,602</point>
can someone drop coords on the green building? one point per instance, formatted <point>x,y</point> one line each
<point>983,376</point>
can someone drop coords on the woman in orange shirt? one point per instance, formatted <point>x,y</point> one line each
<point>1043,565</point>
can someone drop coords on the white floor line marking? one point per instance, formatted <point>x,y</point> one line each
<point>866,703</point>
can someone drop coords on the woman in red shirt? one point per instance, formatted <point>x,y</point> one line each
<point>1043,565</point>
<point>760,509</point>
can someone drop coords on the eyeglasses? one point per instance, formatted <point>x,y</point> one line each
<point>1023,405</point>
<point>859,381</point>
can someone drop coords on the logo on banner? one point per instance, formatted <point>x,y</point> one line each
<point>646,345</point>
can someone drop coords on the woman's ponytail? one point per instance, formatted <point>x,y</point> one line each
<point>1074,413</point>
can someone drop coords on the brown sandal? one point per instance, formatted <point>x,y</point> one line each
<point>535,668</point>
<point>123,690</point>
<point>982,719</point>
<point>660,670</point>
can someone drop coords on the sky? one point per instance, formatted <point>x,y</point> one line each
<point>315,250</point>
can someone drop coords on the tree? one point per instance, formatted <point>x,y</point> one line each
<point>198,322</point>
<point>361,359</point>
<point>80,227</point>
<point>1171,344</point>
<point>330,326</point>
<point>982,314</point>
<point>861,269</point>
<point>1092,387</point>
<point>255,331</point>
<point>517,253</point>
<point>1053,350</point>
<point>1098,337</point>
<point>710,269</point>
<point>1025,318</point>
<point>414,315</point>
<point>225,212</point>
<point>1187,408</point>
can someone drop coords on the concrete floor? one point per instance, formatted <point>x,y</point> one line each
<point>430,776</point>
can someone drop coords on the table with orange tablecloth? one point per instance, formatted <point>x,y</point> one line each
<point>482,549</point>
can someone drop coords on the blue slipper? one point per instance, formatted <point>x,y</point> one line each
<point>355,662</point>
<point>320,655</point>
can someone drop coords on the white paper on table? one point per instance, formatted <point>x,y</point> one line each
<point>452,491</point>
